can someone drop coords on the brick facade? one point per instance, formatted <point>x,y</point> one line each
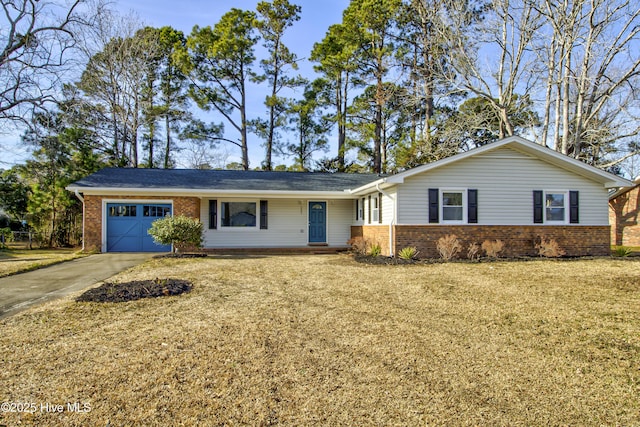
<point>187,206</point>
<point>377,234</point>
<point>518,240</point>
<point>624,212</point>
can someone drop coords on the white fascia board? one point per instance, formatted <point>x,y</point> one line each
<point>271,194</point>
<point>368,188</point>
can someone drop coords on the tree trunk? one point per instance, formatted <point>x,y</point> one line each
<point>167,152</point>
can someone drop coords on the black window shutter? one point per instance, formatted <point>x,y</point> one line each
<point>472,206</point>
<point>380,208</point>
<point>264,215</point>
<point>434,207</point>
<point>538,207</point>
<point>574,217</point>
<point>213,214</point>
<point>357,207</point>
<point>369,209</point>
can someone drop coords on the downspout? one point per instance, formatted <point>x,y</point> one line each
<point>393,217</point>
<point>79,196</point>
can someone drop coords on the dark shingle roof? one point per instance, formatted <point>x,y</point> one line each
<point>222,180</point>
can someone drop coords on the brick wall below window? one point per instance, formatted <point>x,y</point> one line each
<point>375,234</point>
<point>518,240</point>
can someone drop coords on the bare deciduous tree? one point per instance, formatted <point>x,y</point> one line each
<point>36,37</point>
<point>579,60</point>
<point>593,69</point>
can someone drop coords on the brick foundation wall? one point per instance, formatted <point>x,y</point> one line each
<point>187,206</point>
<point>624,212</point>
<point>378,234</point>
<point>518,240</point>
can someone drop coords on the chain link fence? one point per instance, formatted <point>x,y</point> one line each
<point>20,240</point>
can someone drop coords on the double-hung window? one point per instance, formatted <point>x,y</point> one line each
<point>555,204</point>
<point>453,203</point>
<point>556,207</point>
<point>375,209</point>
<point>453,206</point>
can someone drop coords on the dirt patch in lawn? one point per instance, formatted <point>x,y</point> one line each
<point>135,290</point>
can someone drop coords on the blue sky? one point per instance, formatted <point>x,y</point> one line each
<point>316,17</point>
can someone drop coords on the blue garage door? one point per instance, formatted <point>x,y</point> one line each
<point>127,225</point>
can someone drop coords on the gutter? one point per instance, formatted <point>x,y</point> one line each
<point>169,192</point>
<point>79,196</point>
<point>393,218</point>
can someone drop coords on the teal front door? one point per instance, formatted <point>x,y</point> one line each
<point>317,222</point>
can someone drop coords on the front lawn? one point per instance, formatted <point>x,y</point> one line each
<point>14,261</point>
<point>323,340</point>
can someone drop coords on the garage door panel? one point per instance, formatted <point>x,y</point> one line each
<point>127,225</point>
<point>124,244</point>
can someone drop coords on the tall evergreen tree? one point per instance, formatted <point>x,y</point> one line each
<point>335,57</point>
<point>273,20</point>
<point>372,25</point>
<point>218,61</point>
<point>309,128</point>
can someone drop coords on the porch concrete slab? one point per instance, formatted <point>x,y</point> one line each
<point>24,290</point>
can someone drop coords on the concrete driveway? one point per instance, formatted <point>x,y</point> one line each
<point>23,290</point>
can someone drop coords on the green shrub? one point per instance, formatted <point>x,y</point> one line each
<point>622,251</point>
<point>182,232</point>
<point>408,253</point>
<point>375,250</point>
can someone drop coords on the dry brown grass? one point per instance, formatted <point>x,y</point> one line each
<point>305,340</point>
<point>19,260</point>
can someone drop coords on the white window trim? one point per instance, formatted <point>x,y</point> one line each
<point>375,209</point>
<point>224,228</point>
<point>464,205</point>
<point>566,206</point>
<point>360,205</point>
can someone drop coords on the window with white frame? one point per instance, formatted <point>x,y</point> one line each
<point>375,209</point>
<point>555,204</point>
<point>453,205</point>
<point>238,214</point>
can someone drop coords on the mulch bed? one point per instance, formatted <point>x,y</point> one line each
<point>182,255</point>
<point>384,260</point>
<point>134,290</point>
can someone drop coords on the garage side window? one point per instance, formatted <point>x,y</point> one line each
<point>122,210</point>
<point>156,211</point>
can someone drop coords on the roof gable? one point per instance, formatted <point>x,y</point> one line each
<point>520,145</point>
